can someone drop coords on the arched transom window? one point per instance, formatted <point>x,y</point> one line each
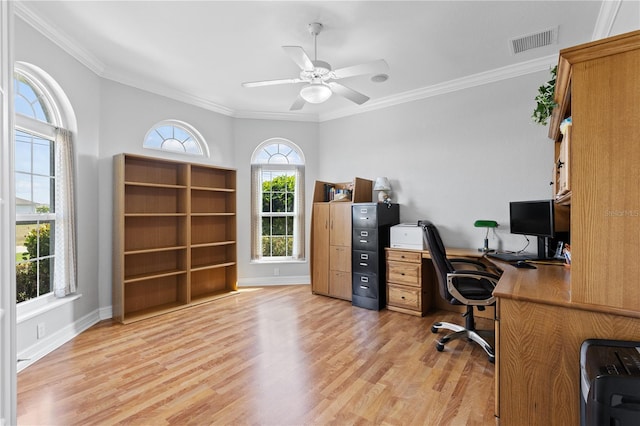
<point>176,136</point>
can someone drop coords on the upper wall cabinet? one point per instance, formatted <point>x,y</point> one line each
<point>174,235</point>
<point>598,86</point>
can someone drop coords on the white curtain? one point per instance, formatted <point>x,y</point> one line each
<point>298,223</point>
<point>65,271</point>
<point>256,205</point>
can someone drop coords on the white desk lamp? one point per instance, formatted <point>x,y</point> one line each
<point>383,186</point>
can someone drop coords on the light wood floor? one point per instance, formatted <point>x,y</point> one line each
<point>268,356</point>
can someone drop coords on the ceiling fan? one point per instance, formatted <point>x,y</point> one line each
<point>319,77</point>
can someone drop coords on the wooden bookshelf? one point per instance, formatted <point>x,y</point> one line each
<point>174,235</point>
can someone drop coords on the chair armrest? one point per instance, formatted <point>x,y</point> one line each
<point>477,275</point>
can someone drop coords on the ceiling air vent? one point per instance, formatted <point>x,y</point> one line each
<point>535,40</point>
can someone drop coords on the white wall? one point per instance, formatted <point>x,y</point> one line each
<point>83,89</point>
<point>453,158</point>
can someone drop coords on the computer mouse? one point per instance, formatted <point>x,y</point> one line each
<point>523,264</point>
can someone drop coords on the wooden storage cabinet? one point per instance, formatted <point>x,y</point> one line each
<point>174,235</point>
<point>407,288</point>
<point>332,250</point>
<point>331,239</point>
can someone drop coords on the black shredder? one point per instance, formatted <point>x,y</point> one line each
<point>609,382</point>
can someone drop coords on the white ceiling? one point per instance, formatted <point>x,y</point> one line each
<point>201,51</point>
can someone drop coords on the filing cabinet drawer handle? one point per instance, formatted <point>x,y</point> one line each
<point>364,233</point>
<point>364,279</point>
<point>364,241</point>
<point>364,256</point>
<point>364,287</point>
<point>364,264</point>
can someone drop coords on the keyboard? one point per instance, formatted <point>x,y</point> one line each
<point>512,257</point>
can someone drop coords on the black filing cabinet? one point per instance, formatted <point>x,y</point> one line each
<point>371,223</point>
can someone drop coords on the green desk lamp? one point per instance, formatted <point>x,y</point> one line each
<point>485,224</point>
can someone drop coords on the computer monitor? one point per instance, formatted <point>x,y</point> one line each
<point>535,218</point>
<point>538,218</point>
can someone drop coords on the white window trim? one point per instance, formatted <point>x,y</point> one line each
<point>197,137</point>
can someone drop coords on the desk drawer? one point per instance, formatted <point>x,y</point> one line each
<point>404,256</point>
<point>404,273</point>
<point>404,297</point>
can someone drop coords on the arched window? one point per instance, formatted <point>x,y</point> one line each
<point>44,182</point>
<point>176,136</point>
<point>277,230</point>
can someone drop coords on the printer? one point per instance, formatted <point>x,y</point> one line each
<point>609,382</point>
<point>407,236</point>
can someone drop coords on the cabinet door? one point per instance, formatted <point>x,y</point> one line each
<point>320,249</point>
<point>340,224</point>
<point>340,284</point>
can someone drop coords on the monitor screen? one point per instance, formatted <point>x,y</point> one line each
<point>532,218</point>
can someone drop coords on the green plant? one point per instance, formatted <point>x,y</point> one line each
<point>544,100</point>
<point>30,274</point>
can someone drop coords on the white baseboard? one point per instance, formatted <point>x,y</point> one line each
<point>55,340</point>
<point>105,313</point>
<point>267,281</point>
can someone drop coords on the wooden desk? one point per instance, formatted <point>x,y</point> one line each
<point>539,331</point>
<point>412,284</point>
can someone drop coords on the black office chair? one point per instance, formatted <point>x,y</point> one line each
<point>459,286</point>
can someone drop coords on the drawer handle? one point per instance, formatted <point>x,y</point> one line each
<point>364,241</point>
<point>364,233</point>
<point>364,256</point>
<point>364,287</point>
<point>364,264</point>
<point>364,279</point>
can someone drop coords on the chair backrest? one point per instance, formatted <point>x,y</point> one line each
<point>438,255</point>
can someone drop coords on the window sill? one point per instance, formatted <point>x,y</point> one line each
<point>32,308</point>
<point>271,261</point>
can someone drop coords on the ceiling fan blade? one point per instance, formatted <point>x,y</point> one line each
<point>374,67</point>
<point>297,104</point>
<point>348,93</point>
<point>271,82</point>
<point>300,57</point>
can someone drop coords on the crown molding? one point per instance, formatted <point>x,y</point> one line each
<point>167,92</point>
<point>58,37</point>
<point>283,116</point>
<point>606,18</point>
<point>487,77</point>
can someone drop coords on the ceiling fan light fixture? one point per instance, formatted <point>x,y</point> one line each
<point>315,93</point>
